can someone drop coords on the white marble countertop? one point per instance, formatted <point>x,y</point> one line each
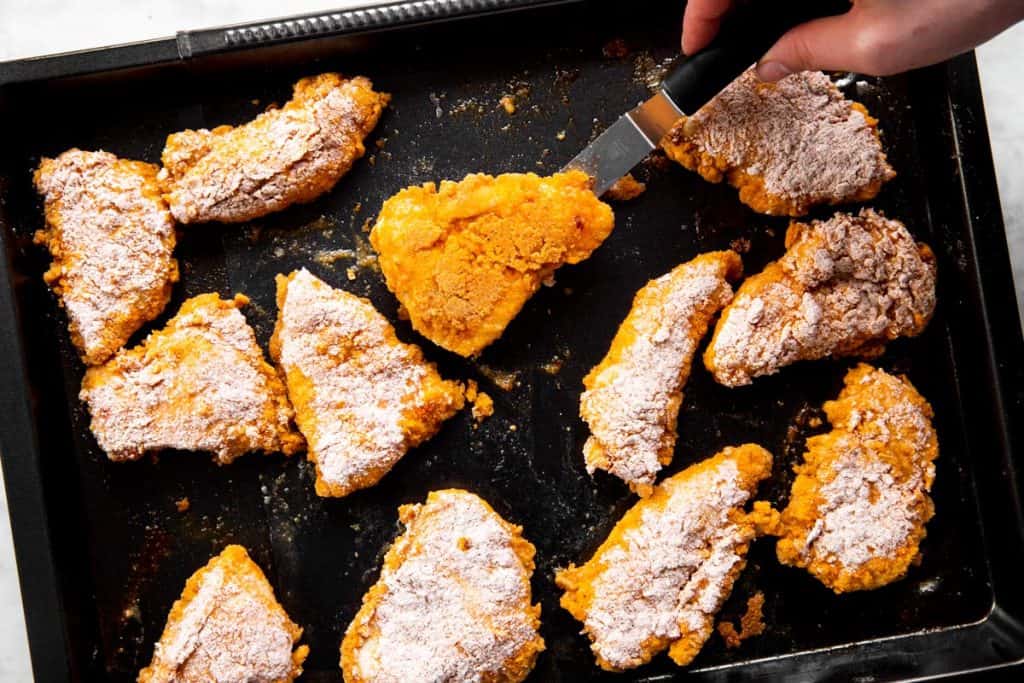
<point>36,27</point>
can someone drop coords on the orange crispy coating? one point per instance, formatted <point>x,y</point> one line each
<point>844,287</point>
<point>625,189</point>
<point>633,396</point>
<point>284,156</point>
<point>669,564</point>
<point>858,508</point>
<point>226,627</point>
<point>362,398</point>
<point>111,238</point>
<point>464,258</point>
<point>453,602</point>
<point>199,384</point>
<point>751,623</point>
<point>786,146</point>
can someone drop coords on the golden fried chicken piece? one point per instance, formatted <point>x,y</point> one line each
<point>859,504</point>
<point>453,600</point>
<point>362,398</point>
<point>111,238</point>
<point>844,287</point>
<point>284,156</point>
<point>632,397</point>
<point>669,564</point>
<point>199,384</point>
<point>465,257</point>
<point>227,627</point>
<point>786,146</point>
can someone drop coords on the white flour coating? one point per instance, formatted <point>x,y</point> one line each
<point>867,513</point>
<point>457,607</point>
<point>226,634</point>
<point>285,155</point>
<point>671,573</point>
<point>220,397</point>
<point>800,136</point>
<point>867,509</point>
<point>363,380</point>
<point>633,403</point>
<point>112,238</point>
<point>845,286</point>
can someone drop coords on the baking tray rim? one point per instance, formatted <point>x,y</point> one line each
<point>47,624</point>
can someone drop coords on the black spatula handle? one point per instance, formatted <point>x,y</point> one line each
<point>745,35</point>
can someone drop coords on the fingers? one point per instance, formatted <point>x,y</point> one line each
<point>830,44</point>
<point>701,22</point>
<point>883,37</point>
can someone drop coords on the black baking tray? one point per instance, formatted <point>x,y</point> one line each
<point>103,552</point>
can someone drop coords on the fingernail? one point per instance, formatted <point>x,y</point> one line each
<point>772,71</point>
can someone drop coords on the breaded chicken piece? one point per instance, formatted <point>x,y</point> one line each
<point>632,397</point>
<point>844,287</point>
<point>199,384</point>
<point>284,156</point>
<point>464,258</point>
<point>227,627</point>
<point>362,398</point>
<point>859,504</point>
<point>669,564</point>
<point>111,238</point>
<point>453,601</point>
<point>786,146</point>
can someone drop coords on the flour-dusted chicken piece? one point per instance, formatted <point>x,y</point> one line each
<point>111,238</point>
<point>844,287</point>
<point>632,397</point>
<point>452,603</point>
<point>464,258</point>
<point>669,564</point>
<point>284,156</point>
<point>227,627</point>
<point>858,508</point>
<point>362,398</point>
<point>786,146</point>
<point>199,384</point>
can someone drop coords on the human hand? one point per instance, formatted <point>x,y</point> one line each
<point>876,37</point>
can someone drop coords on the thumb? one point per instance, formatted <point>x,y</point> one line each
<point>829,44</point>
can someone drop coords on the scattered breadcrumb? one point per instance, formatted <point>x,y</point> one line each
<point>751,623</point>
<point>615,48</point>
<point>483,404</point>
<point>625,188</point>
<point>508,103</point>
<point>741,245</point>
<point>506,380</point>
<point>553,366</point>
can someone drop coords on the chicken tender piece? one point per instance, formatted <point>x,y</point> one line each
<point>786,146</point>
<point>632,397</point>
<point>859,504</point>
<point>227,627</point>
<point>284,156</point>
<point>111,238</point>
<point>199,384</point>
<point>464,258</point>
<point>362,398</point>
<point>844,287</point>
<point>453,600</point>
<point>669,564</point>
